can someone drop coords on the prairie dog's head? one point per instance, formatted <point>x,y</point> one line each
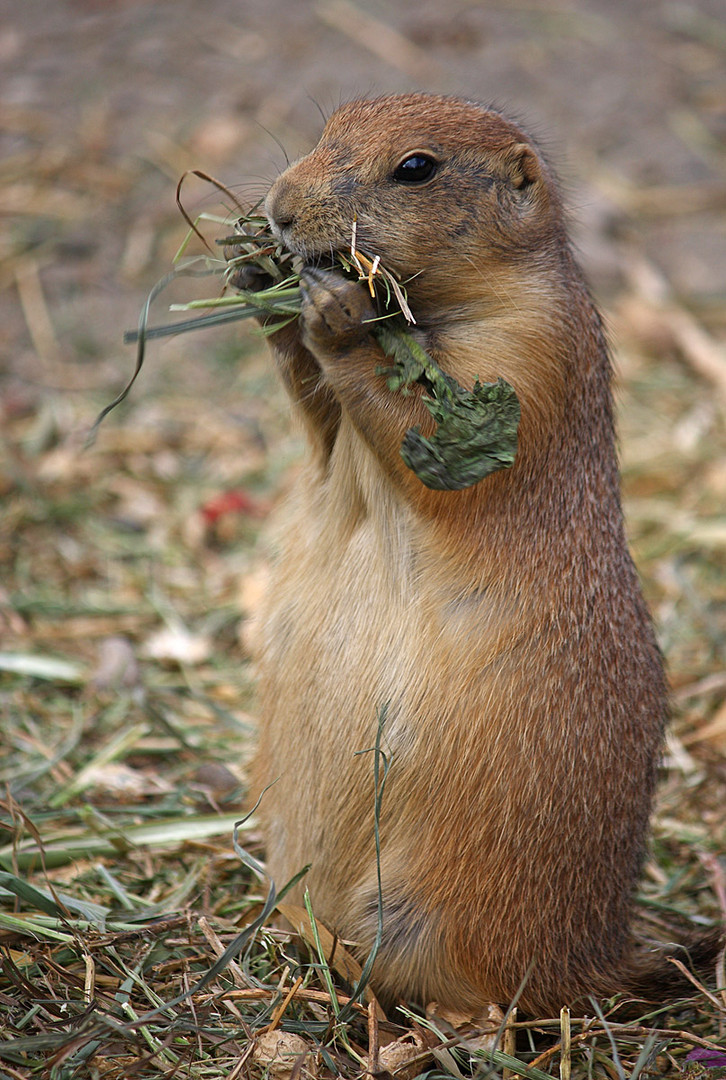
<point>438,187</point>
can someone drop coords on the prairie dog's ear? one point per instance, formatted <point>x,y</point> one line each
<point>520,165</point>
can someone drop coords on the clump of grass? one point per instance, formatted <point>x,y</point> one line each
<point>122,986</point>
<point>135,935</point>
<point>476,431</point>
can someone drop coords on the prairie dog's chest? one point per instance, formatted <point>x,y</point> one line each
<point>346,570</point>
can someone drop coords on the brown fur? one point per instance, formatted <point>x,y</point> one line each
<point>503,626</point>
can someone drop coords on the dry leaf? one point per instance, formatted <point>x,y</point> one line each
<point>178,645</point>
<point>126,784</point>
<point>402,1057</point>
<point>216,778</point>
<point>468,1025</point>
<point>279,1051</point>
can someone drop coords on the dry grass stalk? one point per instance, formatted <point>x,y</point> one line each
<point>699,349</point>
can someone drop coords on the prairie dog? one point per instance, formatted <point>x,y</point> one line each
<point>502,626</point>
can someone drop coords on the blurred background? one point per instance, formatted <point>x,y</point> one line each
<point>136,563</point>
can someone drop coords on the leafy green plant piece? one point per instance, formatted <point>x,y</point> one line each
<point>476,431</point>
<point>476,436</point>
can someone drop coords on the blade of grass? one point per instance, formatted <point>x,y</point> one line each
<point>44,900</point>
<point>651,1047</point>
<point>611,1038</point>
<point>42,667</point>
<point>323,966</point>
<point>71,846</point>
<point>33,928</point>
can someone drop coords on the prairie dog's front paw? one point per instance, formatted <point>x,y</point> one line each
<point>250,278</point>
<point>336,311</point>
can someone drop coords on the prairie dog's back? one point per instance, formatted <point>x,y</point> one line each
<point>502,627</point>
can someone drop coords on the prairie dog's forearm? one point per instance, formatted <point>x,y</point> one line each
<point>313,400</point>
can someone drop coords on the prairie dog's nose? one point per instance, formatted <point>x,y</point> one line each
<point>280,207</point>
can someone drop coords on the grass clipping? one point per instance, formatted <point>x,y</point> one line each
<point>476,430</point>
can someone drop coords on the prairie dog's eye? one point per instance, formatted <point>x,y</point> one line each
<point>415,169</point>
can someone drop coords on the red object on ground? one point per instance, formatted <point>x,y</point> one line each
<point>236,501</point>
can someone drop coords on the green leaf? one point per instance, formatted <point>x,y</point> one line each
<point>476,432</point>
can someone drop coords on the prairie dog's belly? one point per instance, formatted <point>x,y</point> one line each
<point>339,642</point>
